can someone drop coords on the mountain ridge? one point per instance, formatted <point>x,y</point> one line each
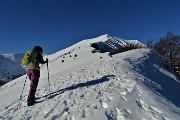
<point>130,85</point>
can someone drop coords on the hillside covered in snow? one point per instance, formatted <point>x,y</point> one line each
<point>10,67</point>
<point>132,85</point>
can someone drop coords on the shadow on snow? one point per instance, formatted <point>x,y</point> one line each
<point>75,86</point>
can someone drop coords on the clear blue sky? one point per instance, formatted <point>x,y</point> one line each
<point>58,24</point>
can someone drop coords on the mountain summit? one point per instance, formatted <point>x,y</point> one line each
<point>87,85</point>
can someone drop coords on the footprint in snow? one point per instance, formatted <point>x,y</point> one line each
<point>128,111</point>
<point>61,114</point>
<point>142,104</point>
<point>155,109</point>
<point>165,118</point>
<point>123,98</point>
<point>70,118</point>
<point>110,98</point>
<point>104,105</point>
<point>139,94</point>
<point>146,107</point>
<point>115,114</point>
<point>123,93</point>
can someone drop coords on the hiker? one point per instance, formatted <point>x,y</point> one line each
<point>33,71</point>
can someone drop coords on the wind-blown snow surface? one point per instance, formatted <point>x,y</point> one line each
<point>132,85</point>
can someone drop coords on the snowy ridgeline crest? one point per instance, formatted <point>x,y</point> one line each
<point>132,85</point>
<point>10,64</point>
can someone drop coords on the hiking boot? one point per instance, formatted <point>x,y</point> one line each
<point>30,102</point>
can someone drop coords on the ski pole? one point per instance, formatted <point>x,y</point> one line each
<point>48,77</point>
<point>22,92</point>
<point>23,87</point>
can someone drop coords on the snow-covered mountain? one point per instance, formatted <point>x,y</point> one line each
<point>10,67</point>
<point>132,85</point>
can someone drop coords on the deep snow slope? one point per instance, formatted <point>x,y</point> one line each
<point>10,67</point>
<point>132,85</point>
